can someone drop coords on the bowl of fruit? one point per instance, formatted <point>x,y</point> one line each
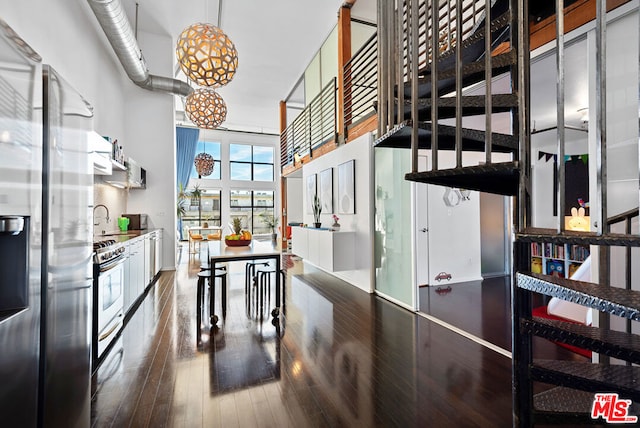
<point>240,238</point>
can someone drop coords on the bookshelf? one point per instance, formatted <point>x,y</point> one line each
<point>560,260</point>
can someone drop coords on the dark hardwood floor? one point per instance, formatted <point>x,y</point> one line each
<point>342,357</point>
<point>483,309</point>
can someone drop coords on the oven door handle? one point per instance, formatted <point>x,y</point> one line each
<point>108,333</point>
<point>112,264</point>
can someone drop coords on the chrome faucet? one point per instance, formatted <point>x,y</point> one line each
<point>94,213</point>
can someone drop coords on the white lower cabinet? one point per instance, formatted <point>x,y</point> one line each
<point>299,242</point>
<point>134,272</point>
<point>331,251</point>
<point>128,292</point>
<point>143,262</point>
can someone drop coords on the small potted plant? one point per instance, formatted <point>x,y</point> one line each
<point>317,210</point>
<point>335,225</point>
<point>271,222</point>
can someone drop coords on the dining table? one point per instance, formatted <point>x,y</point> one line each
<point>219,252</point>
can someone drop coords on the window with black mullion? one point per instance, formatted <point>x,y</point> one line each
<point>249,204</point>
<point>251,163</point>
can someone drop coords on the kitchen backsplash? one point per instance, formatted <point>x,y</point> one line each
<point>113,198</point>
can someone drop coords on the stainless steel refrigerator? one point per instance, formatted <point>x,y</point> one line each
<point>46,197</point>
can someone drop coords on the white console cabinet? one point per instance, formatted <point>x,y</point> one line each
<point>330,251</point>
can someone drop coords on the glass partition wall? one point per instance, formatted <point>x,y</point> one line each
<point>393,231</point>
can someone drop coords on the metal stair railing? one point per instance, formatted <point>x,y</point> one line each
<point>360,84</point>
<point>314,126</point>
<point>413,37</point>
<point>602,295</point>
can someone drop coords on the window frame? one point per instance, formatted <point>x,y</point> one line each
<point>253,207</point>
<point>252,163</point>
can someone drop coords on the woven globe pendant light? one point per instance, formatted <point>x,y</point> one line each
<point>204,164</point>
<point>205,108</point>
<point>207,55</point>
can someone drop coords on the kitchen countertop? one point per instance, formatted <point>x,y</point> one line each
<point>123,236</point>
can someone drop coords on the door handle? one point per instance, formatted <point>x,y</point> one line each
<point>424,229</point>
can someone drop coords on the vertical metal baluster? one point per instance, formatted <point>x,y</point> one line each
<point>560,112</point>
<point>601,114</point>
<point>449,23</point>
<point>604,320</point>
<point>629,220</point>
<point>382,64</point>
<point>335,110</point>
<point>473,16</point>
<point>627,272</point>
<point>488,102</point>
<point>413,62</point>
<point>459,84</point>
<point>523,122</point>
<point>391,30</point>
<point>520,299</point>
<point>309,130</point>
<point>435,50</point>
<point>400,62</point>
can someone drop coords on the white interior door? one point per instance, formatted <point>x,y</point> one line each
<point>421,227</point>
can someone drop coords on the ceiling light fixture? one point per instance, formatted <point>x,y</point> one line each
<point>205,108</point>
<point>207,55</point>
<point>204,164</point>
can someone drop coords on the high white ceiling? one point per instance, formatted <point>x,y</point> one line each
<point>275,41</point>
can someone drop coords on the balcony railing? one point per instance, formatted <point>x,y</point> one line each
<point>313,127</point>
<point>361,84</point>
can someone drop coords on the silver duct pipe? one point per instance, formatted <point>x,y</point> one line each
<point>116,27</point>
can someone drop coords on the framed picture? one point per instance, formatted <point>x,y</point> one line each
<point>311,192</point>
<point>346,188</point>
<point>326,191</point>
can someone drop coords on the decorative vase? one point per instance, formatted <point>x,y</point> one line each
<point>335,226</point>
<point>274,237</point>
<point>317,225</point>
<point>205,224</point>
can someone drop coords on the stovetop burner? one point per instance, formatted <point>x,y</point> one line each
<point>107,250</point>
<point>102,244</point>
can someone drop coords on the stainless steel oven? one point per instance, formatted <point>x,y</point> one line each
<point>108,302</point>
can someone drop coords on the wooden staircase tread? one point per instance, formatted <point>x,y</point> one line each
<point>472,140</point>
<point>563,405</point>
<point>616,344</point>
<point>534,234</point>
<point>500,178</point>
<point>612,300</point>
<point>591,377</point>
